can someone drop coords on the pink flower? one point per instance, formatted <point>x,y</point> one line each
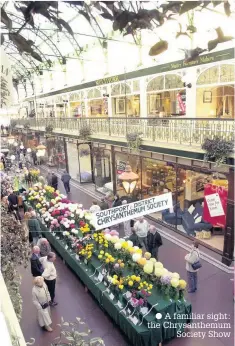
<point>113,232</point>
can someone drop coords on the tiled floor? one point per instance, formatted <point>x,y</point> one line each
<point>215,295</point>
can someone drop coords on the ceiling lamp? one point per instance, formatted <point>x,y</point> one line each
<point>129,179</point>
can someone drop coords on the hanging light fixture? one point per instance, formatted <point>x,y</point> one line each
<point>129,179</point>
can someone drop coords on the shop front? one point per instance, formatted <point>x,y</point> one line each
<point>55,152</point>
<point>190,184</point>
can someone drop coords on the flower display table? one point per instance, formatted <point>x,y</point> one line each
<point>148,331</point>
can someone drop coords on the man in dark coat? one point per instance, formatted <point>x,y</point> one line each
<point>103,204</point>
<point>154,241</point>
<point>66,177</point>
<point>13,204</point>
<point>134,238</point>
<point>36,266</point>
<point>34,228</point>
<point>54,181</point>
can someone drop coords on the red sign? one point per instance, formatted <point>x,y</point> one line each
<point>222,193</point>
<point>181,103</point>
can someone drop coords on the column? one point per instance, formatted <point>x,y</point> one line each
<point>229,229</point>
<point>110,111</point>
<point>143,99</point>
<point>191,103</point>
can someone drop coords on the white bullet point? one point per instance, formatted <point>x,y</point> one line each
<point>158,316</point>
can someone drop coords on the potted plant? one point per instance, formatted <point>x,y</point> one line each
<point>217,149</point>
<point>84,152</point>
<point>134,140</point>
<point>49,129</point>
<point>85,132</point>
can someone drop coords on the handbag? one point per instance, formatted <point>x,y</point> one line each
<point>44,305</point>
<point>197,265</point>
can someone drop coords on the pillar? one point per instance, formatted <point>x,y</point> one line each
<point>143,98</point>
<point>229,229</point>
<point>191,93</point>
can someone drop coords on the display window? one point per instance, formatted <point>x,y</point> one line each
<point>73,163</point>
<point>166,96</point>
<point>97,103</point>
<point>85,166</point>
<point>56,153</point>
<point>199,198</point>
<point>77,109</point>
<point>126,100</point>
<point>102,170</point>
<point>215,92</point>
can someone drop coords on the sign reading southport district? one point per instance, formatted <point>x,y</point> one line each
<point>113,216</point>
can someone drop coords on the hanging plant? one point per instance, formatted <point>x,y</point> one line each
<point>217,149</point>
<point>85,132</point>
<point>84,152</point>
<point>49,129</point>
<point>100,152</point>
<point>134,140</point>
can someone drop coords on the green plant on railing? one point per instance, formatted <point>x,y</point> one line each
<point>15,340</point>
<point>14,253</point>
<point>26,125</point>
<point>13,124</point>
<point>85,132</point>
<point>49,129</point>
<point>75,334</point>
<point>218,149</point>
<point>134,140</point>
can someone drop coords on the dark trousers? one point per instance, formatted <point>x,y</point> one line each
<point>67,187</point>
<point>192,281</point>
<point>55,186</point>
<point>15,211</point>
<point>51,288</point>
<point>154,252</point>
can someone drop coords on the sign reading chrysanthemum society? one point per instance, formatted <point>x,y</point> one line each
<point>113,216</point>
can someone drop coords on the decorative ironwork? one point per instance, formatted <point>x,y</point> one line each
<point>121,89</point>
<point>156,83</point>
<point>94,93</point>
<point>189,132</point>
<point>173,81</point>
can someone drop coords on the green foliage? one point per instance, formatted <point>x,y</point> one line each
<point>85,132</point>
<point>218,149</point>
<point>134,140</point>
<point>14,253</point>
<point>49,128</point>
<point>75,334</point>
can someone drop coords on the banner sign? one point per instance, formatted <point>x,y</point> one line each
<point>215,205</point>
<point>113,216</point>
<point>181,103</point>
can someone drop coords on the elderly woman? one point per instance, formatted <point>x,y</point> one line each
<point>45,247</point>
<point>41,299</point>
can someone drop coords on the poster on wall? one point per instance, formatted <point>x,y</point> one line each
<point>181,98</point>
<point>121,166</point>
<point>215,205</point>
<point>113,216</point>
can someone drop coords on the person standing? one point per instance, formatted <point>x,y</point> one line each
<point>49,274</point>
<point>191,258</point>
<point>66,177</point>
<point>134,238</point>
<point>13,204</point>
<point>154,241</point>
<point>141,227</point>
<point>34,227</point>
<point>95,207</point>
<point>49,178</point>
<point>45,247</point>
<point>41,299</point>
<point>54,181</point>
<point>103,204</point>
<point>116,202</point>
<point>36,266</point>
<point>34,156</point>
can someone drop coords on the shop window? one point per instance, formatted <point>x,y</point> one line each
<point>216,102</point>
<point>227,73</point>
<point>77,109</point>
<point>85,170</point>
<point>156,83</point>
<point>94,93</point>
<point>173,81</point>
<point>121,89</point>
<point>56,153</point>
<point>166,103</point>
<point>102,170</point>
<point>136,85</point>
<point>126,106</point>
<point>217,74</point>
<point>97,107</point>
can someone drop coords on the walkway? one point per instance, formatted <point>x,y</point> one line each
<point>215,295</point>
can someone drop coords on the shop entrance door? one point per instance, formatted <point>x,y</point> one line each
<point>85,163</point>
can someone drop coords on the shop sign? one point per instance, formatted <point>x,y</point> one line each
<point>107,80</point>
<point>113,216</point>
<point>215,205</point>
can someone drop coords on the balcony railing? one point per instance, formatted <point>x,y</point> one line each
<point>181,131</point>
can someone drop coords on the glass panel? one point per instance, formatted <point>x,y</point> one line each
<point>93,93</point>
<point>121,89</point>
<point>136,85</point>
<point>167,103</point>
<point>85,163</point>
<point>73,164</point>
<point>216,102</point>
<point>209,76</point>
<point>156,84</point>
<point>77,109</point>
<point>97,108</point>
<point>102,170</point>
<point>173,81</point>
<point>56,153</point>
<point>129,106</point>
<point>227,73</point>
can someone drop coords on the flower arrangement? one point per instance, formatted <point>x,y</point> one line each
<point>86,252</point>
<point>34,174</point>
<point>85,132</point>
<point>134,140</point>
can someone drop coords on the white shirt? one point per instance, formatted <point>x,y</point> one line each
<point>141,228</point>
<point>95,208</point>
<point>49,272</point>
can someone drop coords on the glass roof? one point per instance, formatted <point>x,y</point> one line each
<point>54,45</point>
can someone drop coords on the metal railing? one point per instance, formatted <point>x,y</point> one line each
<point>181,131</point>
